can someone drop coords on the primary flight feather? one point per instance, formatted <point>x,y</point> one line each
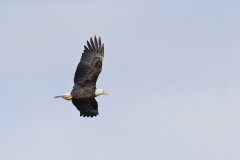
<point>84,90</point>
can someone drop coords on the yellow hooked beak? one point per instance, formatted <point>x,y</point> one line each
<point>105,92</point>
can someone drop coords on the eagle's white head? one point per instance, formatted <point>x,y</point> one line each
<point>100,92</point>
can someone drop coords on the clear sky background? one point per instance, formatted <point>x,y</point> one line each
<point>171,67</point>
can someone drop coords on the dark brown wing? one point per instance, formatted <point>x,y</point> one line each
<point>90,65</point>
<point>87,107</point>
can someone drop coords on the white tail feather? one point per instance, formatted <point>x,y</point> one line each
<point>58,96</point>
<point>63,95</point>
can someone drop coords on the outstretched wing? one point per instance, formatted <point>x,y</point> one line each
<point>90,65</point>
<point>87,107</point>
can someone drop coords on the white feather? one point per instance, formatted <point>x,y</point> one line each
<point>63,95</point>
<point>98,92</point>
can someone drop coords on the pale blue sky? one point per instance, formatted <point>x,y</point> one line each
<point>171,67</point>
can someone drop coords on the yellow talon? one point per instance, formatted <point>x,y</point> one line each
<point>69,97</point>
<point>66,96</point>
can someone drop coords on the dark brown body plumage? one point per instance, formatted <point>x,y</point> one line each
<point>79,92</point>
<point>86,75</point>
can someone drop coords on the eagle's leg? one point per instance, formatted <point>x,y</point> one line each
<point>66,96</point>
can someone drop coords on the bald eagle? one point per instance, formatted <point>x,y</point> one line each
<point>84,90</point>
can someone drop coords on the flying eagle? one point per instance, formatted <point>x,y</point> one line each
<point>84,90</point>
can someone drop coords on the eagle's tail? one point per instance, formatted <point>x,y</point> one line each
<point>66,96</point>
<point>58,96</point>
